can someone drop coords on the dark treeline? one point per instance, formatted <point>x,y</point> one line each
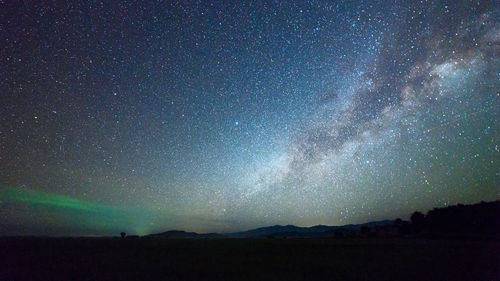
<point>482,218</point>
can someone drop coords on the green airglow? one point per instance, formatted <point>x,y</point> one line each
<point>36,197</point>
<point>80,214</point>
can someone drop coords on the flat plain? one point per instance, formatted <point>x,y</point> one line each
<point>248,259</point>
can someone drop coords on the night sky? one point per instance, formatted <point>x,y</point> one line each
<point>223,116</point>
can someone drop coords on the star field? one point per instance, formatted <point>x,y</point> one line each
<point>223,116</point>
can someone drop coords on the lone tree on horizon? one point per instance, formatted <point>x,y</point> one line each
<point>123,234</point>
<point>418,220</point>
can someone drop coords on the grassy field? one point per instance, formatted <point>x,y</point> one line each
<point>302,259</point>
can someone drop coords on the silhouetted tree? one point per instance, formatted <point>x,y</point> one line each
<point>418,221</point>
<point>123,234</point>
<point>398,222</point>
<point>417,218</point>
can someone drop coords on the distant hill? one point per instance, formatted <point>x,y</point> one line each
<point>276,231</point>
<point>305,232</point>
<point>179,234</point>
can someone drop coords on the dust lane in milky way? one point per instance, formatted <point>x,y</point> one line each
<point>144,117</point>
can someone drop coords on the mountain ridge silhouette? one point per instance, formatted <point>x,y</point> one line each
<point>279,230</point>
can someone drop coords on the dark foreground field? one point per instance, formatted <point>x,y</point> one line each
<point>335,259</point>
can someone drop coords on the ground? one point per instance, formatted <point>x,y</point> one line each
<point>245,259</point>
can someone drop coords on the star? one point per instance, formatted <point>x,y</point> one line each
<point>143,117</point>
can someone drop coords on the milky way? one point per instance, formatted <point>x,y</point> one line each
<point>217,116</point>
